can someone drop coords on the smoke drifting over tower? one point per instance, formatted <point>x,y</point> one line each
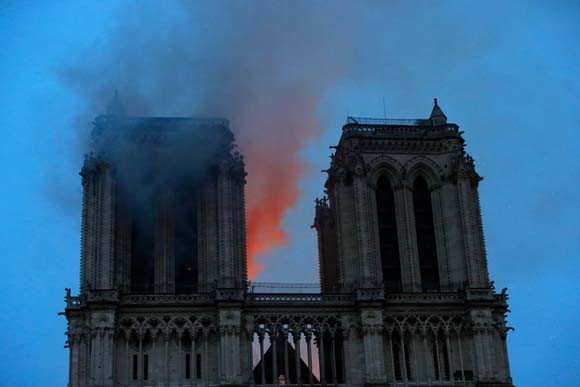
<point>265,68</point>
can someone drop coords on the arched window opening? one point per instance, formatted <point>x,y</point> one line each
<point>135,366</point>
<point>186,241</point>
<point>425,236</point>
<point>388,237</point>
<point>397,362</point>
<point>145,367</point>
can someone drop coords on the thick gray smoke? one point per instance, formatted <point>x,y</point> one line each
<point>267,66</point>
<point>264,67</point>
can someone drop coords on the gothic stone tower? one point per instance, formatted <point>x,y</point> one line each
<point>402,229</point>
<point>163,227</point>
<point>405,296</point>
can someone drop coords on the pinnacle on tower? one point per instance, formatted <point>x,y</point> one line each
<point>115,107</point>
<point>437,116</point>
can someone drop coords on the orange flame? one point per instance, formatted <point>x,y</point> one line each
<point>274,168</point>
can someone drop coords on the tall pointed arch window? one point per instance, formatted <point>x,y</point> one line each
<point>426,245</point>
<point>388,238</point>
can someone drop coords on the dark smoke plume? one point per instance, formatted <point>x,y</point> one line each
<point>264,67</point>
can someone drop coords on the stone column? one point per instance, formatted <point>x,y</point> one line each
<point>472,229</point>
<point>298,358</point>
<point>440,238</point>
<point>349,271</point>
<point>308,336</point>
<point>123,248</point>
<point>367,252</point>
<point>229,346</point>
<point>225,228</point>
<point>481,320</point>
<point>98,225</point>
<point>321,357</point>
<point>231,224</point>
<point>274,344</point>
<point>74,356</point>
<point>193,357</point>
<point>208,265</point>
<point>409,254</point>
<point>262,359</point>
<point>102,352</point>
<point>372,330</point>
<point>452,224</point>
<point>164,243</point>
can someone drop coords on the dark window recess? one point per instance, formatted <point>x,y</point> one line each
<point>186,239</point>
<point>408,359</point>
<point>389,240</point>
<point>135,367</point>
<point>145,367</point>
<point>425,236</point>
<point>187,366</point>
<point>397,362</point>
<point>142,241</point>
<point>198,366</point>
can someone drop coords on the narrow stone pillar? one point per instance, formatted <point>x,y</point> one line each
<point>164,245</point>
<point>273,339</point>
<point>459,345</point>
<point>404,355</point>
<point>298,357</point>
<point>450,359</point>
<point>286,365</point>
<point>440,239</point>
<point>409,254</point>
<point>333,359</point>
<point>393,354</point>
<point>309,352</point>
<point>440,378</point>
<point>372,330</point>
<point>193,358</point>
<point>321,360</point>
<point>346,234</point>
<point>428,366</point>
<point>98,225</point>
<point>368,255</point>
<point>73,343</point>
<point>140,362</point>
<point>206,357</point>
<point>128,367</point>
<point>472,230</point>
<point>166,338</point>
<point>179,359</point>
<point>262,359</point>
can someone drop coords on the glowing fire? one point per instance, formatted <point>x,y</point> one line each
<point>274,168</point>
<point>269,194</point>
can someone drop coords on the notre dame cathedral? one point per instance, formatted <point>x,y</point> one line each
<point>404,299</point>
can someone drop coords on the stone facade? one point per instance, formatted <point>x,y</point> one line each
<point>417,312</point>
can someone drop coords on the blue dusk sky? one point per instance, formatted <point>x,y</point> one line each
<point>287,74</point>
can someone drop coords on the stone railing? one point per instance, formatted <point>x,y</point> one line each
<point>410,383</point>
<point>387,121</point>
<point>166,299</point>
<point>400,127</point>
<point>424,298</point>
<point>313,298</point>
